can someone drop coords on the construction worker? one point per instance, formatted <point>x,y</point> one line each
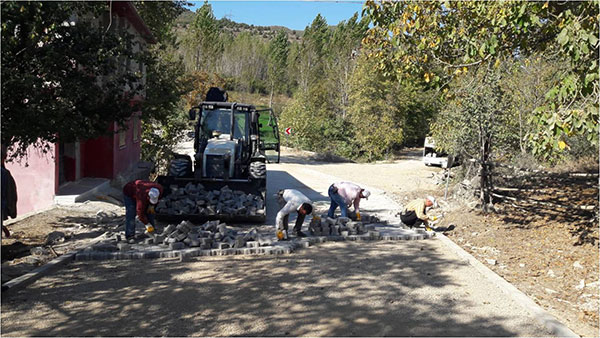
<point>414,213</point>
<point>9,194</point>
<point>345,194</point>
<point>140,197</point>
<point>291,200</point>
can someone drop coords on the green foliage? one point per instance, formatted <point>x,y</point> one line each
<point>472,120</point>
<point>438,41</point>
<point>245,59</point>
<point>343,48</point>
<point>63,77</point>
<point>159,16</point>
<point>279,48</point>
<point>164,118</point>
<point>384,113</point>
<point>311,55</point>
<point>202,43</point>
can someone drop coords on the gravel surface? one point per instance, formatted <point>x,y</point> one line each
<point>413,288</point>
<point>335,289</point>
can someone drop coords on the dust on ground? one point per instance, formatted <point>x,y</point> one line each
<point>538,257</point>
<point>333,289</point>
<point>536,252</point>
<point>39,238</point>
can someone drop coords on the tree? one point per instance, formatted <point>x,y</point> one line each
<point>202,44</point>
<point>279,48</point>
<point>164,120</point>
<point>441,40</point>
<point>312,51</point>
<point>62,74</point>
<point>343,48</point>
<point>478,123</point>
<point>374,122</point>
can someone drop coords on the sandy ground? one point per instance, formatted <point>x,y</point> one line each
<point>335,289</point>
<point>539,259</point>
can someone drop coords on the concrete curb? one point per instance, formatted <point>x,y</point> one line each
<point>21,282</point>
<point>550,322</point>
<point>30,277</point>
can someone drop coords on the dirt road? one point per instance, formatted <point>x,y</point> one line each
<point>404,288</point>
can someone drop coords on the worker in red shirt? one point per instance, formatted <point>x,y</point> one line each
<point>140,197</point>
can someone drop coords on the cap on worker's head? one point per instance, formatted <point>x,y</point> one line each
<point>366,193</point>
<point>153,195</point>
<point>433,202</point>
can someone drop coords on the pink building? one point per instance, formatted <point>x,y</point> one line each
<point>105,157</point>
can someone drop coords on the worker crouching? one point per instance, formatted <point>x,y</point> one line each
<point>415,213</point>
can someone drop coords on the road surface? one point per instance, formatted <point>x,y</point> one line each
<point>403,288</point>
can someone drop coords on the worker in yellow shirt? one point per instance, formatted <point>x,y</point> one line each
<point>414,214</point>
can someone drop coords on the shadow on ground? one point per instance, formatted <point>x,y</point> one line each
<point>341,289</point>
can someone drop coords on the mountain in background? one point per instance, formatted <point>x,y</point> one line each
<point>235,28</point>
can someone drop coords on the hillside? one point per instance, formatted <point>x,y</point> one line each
<point>235,28</point>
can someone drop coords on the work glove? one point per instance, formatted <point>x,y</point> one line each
<point>358,216</point>
<point>433,218</point>
<point>149,228</point>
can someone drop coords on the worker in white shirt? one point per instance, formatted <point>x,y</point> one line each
<point>291,200</point>
<point>345,194</point>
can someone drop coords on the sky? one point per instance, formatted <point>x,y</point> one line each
<point>291,14</point>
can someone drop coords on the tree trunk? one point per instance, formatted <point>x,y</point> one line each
<point>271,96</point>
<point>485,173</point>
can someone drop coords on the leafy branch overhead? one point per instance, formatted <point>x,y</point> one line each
<point>63,73</point>
<point>439,41</point>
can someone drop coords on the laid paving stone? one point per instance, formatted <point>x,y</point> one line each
<point>177,246</point>
<point>123,246</point>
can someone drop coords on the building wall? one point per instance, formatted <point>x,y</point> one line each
<point>97,157</point>
<point>125,157</point>
<point>37,182</point>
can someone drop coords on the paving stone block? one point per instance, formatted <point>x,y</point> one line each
<point>222,245</point>
<point>330,221</point>
<point>184,257</point>
<point>152,254</point>
<point>342,220</point>
<point>177,246</point>
<point>149,241</point>
<point>374,234</point>
<point>252,244</point>
<point>181,237</point>
<point>264,241</point>
<point>195,243</point>
<point>304,244</point>
<point>123,246</point>
<point>239,242</point>
<point>187,241</point>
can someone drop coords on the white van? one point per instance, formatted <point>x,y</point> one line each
<point>432,156</point>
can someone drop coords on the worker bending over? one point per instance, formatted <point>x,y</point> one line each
<point>415,212</point>
<point>140,197</point>
<point>291,200</point>
<point>345,194</point>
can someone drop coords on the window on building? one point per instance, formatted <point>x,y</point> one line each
<point>122,138</point>
<point>136,129</point>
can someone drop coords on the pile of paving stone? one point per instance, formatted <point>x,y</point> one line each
<point>193,199</point>
<point>341,226</point>
<point>210,235</point>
